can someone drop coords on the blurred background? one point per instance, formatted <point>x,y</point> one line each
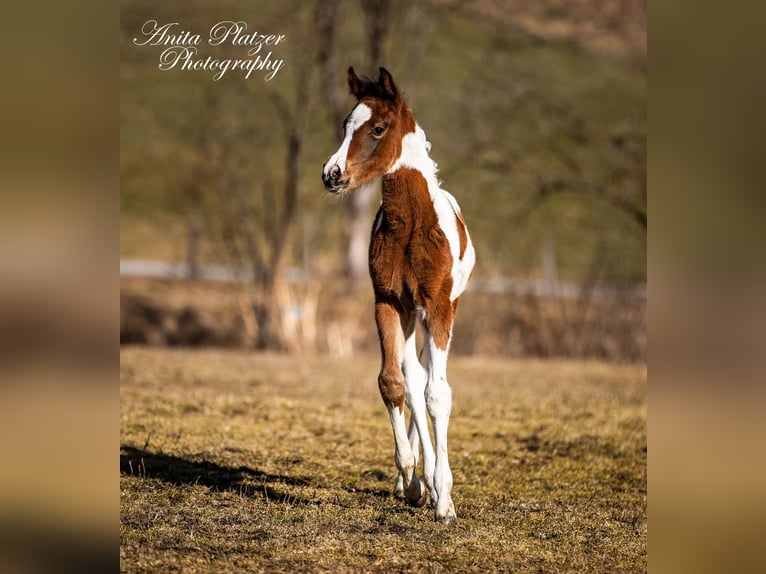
<point>537,117</point>
<point>529,71</point>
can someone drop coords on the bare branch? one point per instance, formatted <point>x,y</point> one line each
<point>327,17</point>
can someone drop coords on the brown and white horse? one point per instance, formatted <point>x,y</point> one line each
<point>421,259</point>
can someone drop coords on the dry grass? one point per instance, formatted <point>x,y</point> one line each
<point>236,461</point>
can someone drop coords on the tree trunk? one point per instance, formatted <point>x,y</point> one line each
<point>358,233</point>
<point>267,309</point>
<point>327,17</point>
<point>267,315</point>
<point>358,212</point>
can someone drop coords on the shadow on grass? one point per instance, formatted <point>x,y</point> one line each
<point>179,471</point>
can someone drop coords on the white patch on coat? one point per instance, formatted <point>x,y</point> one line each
<point>415,148</point>
<point>359,115</point>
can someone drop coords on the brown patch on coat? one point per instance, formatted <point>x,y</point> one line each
<point>391,383</point>
<point>410,259</point>
<point>461,231</point>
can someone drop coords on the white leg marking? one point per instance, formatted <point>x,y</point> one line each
<point>439,401</point>
<point>405,460</point>
<point>399,485</point>
<point>415,378</point>
<point>412,436</point>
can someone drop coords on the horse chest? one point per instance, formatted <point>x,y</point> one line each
<point>409,263</point>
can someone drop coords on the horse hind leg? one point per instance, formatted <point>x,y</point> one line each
<point>439,402</point>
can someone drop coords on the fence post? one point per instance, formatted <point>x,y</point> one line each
<point>192,243</point>
<point>309,244</point>
<point>550,266</point>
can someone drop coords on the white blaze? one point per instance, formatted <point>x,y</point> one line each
<point>360,114</point>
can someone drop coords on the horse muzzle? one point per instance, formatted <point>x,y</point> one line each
<point>331,179</point>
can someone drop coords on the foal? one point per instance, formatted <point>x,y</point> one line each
<point>421,259</point>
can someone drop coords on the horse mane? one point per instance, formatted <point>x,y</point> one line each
<point>371,88</point>
<point>415,153</point>
<point>429,167</point>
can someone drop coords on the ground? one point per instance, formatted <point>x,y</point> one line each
<point>243,461</point>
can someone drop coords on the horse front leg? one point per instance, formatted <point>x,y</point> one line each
<point>414,438</point>
<point>393,392</point>
<point>415,377</point>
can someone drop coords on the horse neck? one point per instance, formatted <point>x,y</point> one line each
<point>407,187</point>
<point>405,198</point>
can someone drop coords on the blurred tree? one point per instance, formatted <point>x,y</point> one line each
<point>621,180</point>
<point>327,16</point>
<point>248,207</point>
<point>376,15</point>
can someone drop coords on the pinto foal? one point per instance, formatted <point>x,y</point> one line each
<point>421,259</point>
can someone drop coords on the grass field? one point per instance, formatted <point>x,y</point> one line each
<point>240,461</point>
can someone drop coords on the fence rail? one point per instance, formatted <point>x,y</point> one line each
<point>495,285</point>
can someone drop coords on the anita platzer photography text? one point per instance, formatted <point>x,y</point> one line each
<point>180,49</point>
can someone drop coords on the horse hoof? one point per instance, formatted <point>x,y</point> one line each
<point>449,513</point>
<point>416,495</point>
<point>419,502</point>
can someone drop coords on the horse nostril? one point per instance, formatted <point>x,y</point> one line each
<point>335,172</point>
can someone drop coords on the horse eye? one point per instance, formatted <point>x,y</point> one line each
<point>378,131</point>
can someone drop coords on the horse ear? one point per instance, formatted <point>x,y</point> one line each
<point>355,85</point>
<point>386,82</point>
